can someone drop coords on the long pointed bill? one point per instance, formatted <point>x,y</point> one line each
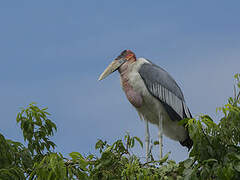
<point>111,68</point>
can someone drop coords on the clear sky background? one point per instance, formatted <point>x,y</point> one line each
<point>52,52</point>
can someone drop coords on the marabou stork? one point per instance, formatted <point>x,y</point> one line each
<point>155,95</point>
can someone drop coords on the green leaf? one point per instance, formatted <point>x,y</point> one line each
<point>75,155</point>
<point>237,166</point>
<point>156,142</point>
<point>188,163</point>
<point>165,158</point>
<point>138,140</point>
<point>183,121</point>
<point>210,160</point>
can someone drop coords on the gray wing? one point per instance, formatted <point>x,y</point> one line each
<point>163,87</point>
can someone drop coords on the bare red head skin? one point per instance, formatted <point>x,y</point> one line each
<point>127,55</point>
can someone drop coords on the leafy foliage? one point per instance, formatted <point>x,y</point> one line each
<point>36,128</point>
<point>216,150</point>
<point>215,153</point>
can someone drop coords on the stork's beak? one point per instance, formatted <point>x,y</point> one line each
<point>111,68</point>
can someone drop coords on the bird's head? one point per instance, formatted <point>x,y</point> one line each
<point>126,56</point>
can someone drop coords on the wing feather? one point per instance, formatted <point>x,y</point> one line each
<point>163,87</point>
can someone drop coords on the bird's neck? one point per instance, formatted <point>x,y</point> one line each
<point>126,67</point>
<point>124,71</point>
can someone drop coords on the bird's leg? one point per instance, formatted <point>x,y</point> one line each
<point>160,134</point>
<point>147,140</point>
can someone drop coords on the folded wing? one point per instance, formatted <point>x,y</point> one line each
<point>163,87</point>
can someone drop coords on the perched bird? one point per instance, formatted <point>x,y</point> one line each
<point>154,94</point>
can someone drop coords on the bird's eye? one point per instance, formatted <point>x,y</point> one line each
<point>129,56</point>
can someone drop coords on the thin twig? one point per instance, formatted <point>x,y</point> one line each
<point>234,93</point>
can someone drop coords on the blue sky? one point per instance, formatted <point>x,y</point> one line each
<point>52,53</point>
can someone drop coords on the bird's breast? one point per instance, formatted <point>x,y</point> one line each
<point>132,83</point>
<point>133,96</point>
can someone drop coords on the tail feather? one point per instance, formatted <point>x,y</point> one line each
<point>187,142</point>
